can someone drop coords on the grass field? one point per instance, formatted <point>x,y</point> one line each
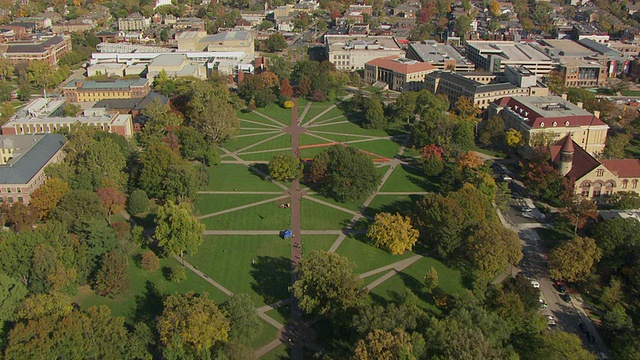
<point>367,257</point>
<point>322,217</point>
<point>208,203</point>
<point>228,260</point>
<point>630,92</point>
<point>237,177</point>
<point>408,179</point>
<point>261,217</point>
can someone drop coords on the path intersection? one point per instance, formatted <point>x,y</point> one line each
<point>263,136</point>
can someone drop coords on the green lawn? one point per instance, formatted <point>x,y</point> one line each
<point>139,300</point>
<point>412,278</point>
<point>228,260</point>
<point>281,142</point>
<point>367,257</point>
<point>315,110</point>
<point>247,141</point>
<point>263,155</point>
<point>350,128</point>
<point>335,112</point>
<point>408,179</point>
<point>402,204</point>
<point>267,335</point>
<point>278,113</point>
<point>317,242</point>
<point>250,131</point>
<point>630,92</point>
<point>262,217</point>
<point>352,205</point>
<point>306,139</point>
<point>317,216</point>
<point>382,147</point>
<point>210,203</point>
<point>230,177</point>
<point>279,353</point>
<point>494,153</point>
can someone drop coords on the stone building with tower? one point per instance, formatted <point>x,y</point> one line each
<point>591,178</point>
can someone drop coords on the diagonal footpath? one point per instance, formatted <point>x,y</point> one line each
<point>325,203</point>
<point>243,207</point>
<point>319,115</point>
<point>259,123</point>
<point>239,152</point>
<point>396,269</point>
<point>268,118</point>
<point>259,133</point>
<point>304,111</point>
<point>398,265</point>
<point>203,275</point>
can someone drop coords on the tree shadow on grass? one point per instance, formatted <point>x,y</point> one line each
<point>255,170</point>
<point>416,287</point>
<point>272,277</point>
<point>148,305</point>
<point>416,176</point>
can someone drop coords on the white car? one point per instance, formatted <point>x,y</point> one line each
<point>551,320</point>
<point>535,284</point>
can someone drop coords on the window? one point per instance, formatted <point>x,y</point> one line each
<point>585,193</point>
<point>634,184</point>
<point>600,172</point>
<point>596,193</point>
<point>624,184</point>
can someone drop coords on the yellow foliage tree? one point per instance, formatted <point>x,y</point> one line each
<point>393,233</point>
<point>469,161</point>
<point>494,8</point>
<point>47,196</point>
<point>383,345</point>
<point>514,138</point>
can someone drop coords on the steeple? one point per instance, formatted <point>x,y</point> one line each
<point>566,155</point>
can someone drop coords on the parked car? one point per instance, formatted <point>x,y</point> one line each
<point>525,209</point>
<point>535,284</point>
<point>551,321</point>
<point>560,286</point>
<point>566,297</point>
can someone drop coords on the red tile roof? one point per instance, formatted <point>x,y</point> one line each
<point>623,168</point>
<point>389,63</point>
<point>536,120</point>
<point>583,162</point>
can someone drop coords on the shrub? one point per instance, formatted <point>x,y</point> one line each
<point>318,95</point>
<point>288,104</point>
<point>177,274</point>
<point>138,202</point>
<point>149,261</point>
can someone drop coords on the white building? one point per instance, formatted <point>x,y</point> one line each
<point>348,52</point>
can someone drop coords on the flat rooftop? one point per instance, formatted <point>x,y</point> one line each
<point>106,84</point>
<point>227,36</point>
<point>431,51</point>
<point>565,48</point>
<point>361,42</point>
<point>552,106</point>
<point>509,50</point>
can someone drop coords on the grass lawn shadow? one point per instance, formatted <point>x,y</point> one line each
<point>272,276</point>
<point>148,305</point>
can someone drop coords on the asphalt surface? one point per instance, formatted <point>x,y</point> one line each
<point>524,218</point>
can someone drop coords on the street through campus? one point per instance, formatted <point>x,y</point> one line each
<point>569,315</point>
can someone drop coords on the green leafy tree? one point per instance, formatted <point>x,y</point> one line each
<point>349,175</point>
<point>265,25</point>
<point>77,207</point>
<point>113,278</point>
<point>12,291</point>
<point>462,24</point>
<point>433,166</point>
<point>380,344</point>
<point>491,247</point>
<point>560,345</point>
<point>513,138</point>
<point>280,66</point>
<point>374,114</point>
<point>210,112</point>
<point>326,284</point>
<point>574,259</point>
<point>138,202</point>
<point>149,261</point>
<point>285,167</point>
<point>45,198</point>
<point>431,279</point>
<point>275,43</point>
<point>619,240</point>
<point>492,132</point>
<point>178,229</point>
<point>245,324</point>
<point>392,233</point>
<point>192,324</point>
<point>159,119</point>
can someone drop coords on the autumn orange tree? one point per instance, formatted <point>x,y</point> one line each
<point>384,345</point>
<point>112,201</point>
<point>46,197</point>
<point>393,233</point>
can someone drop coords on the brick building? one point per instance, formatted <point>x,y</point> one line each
<point>48,49</point>
<point>93,90</point>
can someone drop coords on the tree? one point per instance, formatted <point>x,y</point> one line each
<point>580,210</point>
<point>382,345</point>
<point>616,145</point>
<point>462,24</point>
<point>374,114</point>
<point>492,132</point>
<point>37,306</point>
<point>326,284</point>
<point>466,109</point>
<point>138,202</point>
<point>76,207</point>
<point>245,324</point>
<point>164,35</point>
<point>349,175</point>
<point>433,166</point>
<point>619,240</point>
<point>514,138</point>
<point>559,345</point>
<point>285,167</point>
<point>113,278</point>
<point>494,8</point>
<point>12,292</point>
<point>574,259</point>
<point>431,279</point>
<point>281,67</point>
<point>193,146</point>
<point>112,201</point>
<point>177,229</point>
<point>392,233</point>
<point>275,42</point>
<point>285,88</point>
<point>159,119</point>
<point>71,110</point>
<point>491,247</point>
<point>304,86</point>
<point>265,25</point>
<point>45,198</point>
<point>405,106</point>
<point>149,261</point>
<point>555,82</point>
<point>105,162</point>
<point>192,324</point>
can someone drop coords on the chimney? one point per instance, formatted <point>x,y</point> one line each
<point>579,104</point>
<point>596,113</point>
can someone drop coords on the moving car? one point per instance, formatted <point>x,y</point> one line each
<point>566,297</point>
<point>551,321</point>
<point>535,284</point>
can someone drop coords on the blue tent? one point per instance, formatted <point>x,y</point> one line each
<point>287,233</point>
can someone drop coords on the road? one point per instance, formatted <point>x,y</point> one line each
<point>534,265</point>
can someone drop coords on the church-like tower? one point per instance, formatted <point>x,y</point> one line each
<point>566,156</point>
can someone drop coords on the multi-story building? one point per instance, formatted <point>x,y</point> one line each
<point>48,49</point>
<point>484,88</point>
<point>229,41</point>
<point>93,90</point>
<point>350,53</point>
<point>399,73</point>
<point>134,22</point>
<point>177,65</point>
<point>113,123</point>
<point>442,56</point>
<point>589,31</point>
<point>493,56</point>
<point>23,159</point>
<point>592,178</point>
<point>365,9</point>
<point>544,120</point>
<point>69,26</point>
<point>578,72</point>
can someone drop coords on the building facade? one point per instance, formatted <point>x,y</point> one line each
<point>48,49</point>
<point>92,90</point>
<point>591,178</point>
<point>545,120</point>
<point>24,158</point>
<point>493,56</point>
<point>229,41</point>
<point>113,123</point>
<point>134,22</point>
<point>350,53</point>
<point>582,73</point>
<point>442,56</point>
<point>399,73</point>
